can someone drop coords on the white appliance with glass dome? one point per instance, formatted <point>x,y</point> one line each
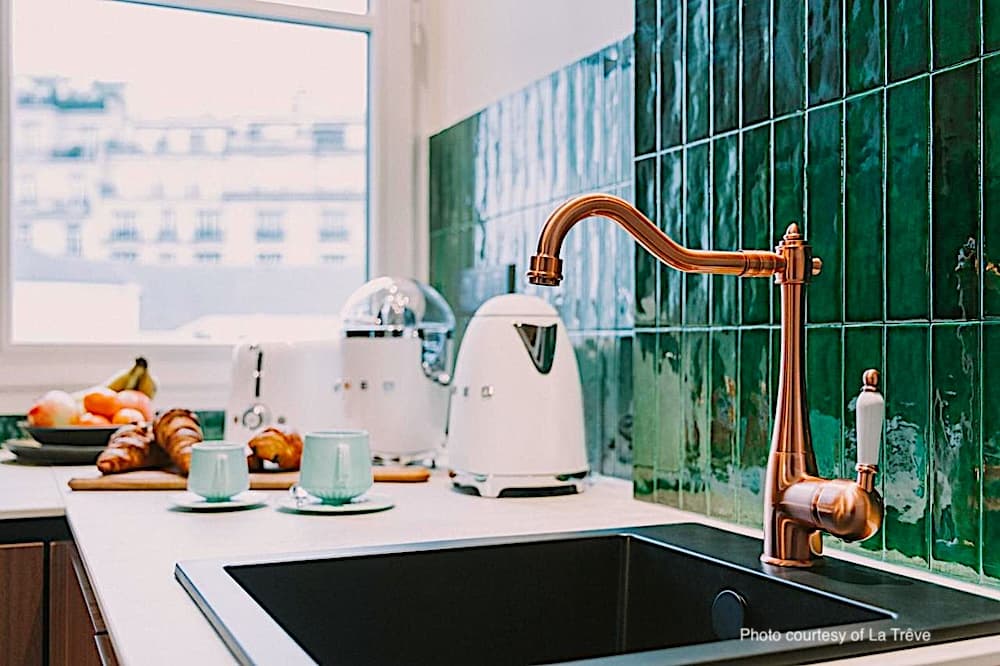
<point>395,379</point>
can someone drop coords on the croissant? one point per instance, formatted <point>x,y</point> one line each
<point>283,448</point>
<point>131,447</point>
<point>176,432</point>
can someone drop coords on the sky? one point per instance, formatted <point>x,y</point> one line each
<point>181,63</point>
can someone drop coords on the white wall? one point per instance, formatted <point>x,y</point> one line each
<point>477,51</point>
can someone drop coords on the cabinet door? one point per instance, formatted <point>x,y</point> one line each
<point>22,589</point>
<point>71,630</point>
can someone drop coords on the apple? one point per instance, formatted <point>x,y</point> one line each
<point>54,409</point>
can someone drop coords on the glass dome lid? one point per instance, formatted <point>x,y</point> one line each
<point>397,304</point>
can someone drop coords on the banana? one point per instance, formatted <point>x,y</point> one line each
<point>148,384</point>
<point>128,379</point>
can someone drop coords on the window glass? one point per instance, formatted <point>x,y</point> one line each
<point>177,179</point>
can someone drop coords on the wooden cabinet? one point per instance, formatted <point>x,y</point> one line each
<point>22,611</point>
<point>71,624</point>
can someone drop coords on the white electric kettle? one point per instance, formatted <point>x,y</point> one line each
<point>516,422</point>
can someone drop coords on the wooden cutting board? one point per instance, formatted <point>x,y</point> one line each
<point>158,479</point>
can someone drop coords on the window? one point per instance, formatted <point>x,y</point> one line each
<point>269,226</point>
<point>242,144</point>
<point>207,257</point>
<point>124,229</point>
<point>269,258</point>
<point>208,230</point>
<point>333,227</point>
<point>73,244</point>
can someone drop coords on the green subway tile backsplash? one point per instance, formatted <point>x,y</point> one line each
<point>858,120</point>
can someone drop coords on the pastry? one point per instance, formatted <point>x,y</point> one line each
<point>280,447</point>
<point>176,432</point>
<point>131,447</point>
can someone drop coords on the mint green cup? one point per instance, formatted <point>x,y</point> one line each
<point>336,465</point>
<point>218,470</point>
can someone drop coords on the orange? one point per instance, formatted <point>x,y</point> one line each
<point>137,400</point>
<point>102,401</point>
<point>128,415</point>
<point>88,419</point>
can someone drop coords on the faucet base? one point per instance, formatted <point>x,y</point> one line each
<point>778,562</point>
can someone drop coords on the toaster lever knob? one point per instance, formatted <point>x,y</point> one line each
<point>255,417</point>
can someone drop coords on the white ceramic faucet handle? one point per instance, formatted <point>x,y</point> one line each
<point>871,414</point>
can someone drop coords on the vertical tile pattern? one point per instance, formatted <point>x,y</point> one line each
<point>694,399</point>
<point>863,271</point>
<point>722,426</point>
<point>697,228</point>
<point>825,44</point>
<point>906,383</point>
<point>670,437</point>
<point>672,223</point>
<point>824,217</point>
<point>788,49</point>
<point>725,226</point>
<point>991,184</point>
<point>698,60</point>
<point>865,52</point>
<point>907,220</point>
<point>908,38</point>
<point>755,415</point>
<point>956,451</point>
<point>671,29</point>
<point>646,83</point>
<point>991,449</point>
<point>955,192</point>
<point>826,393</point>
<point>757,60</point>
<point>646,269</point>
<point>725,64</point>
<point>955,30</point>
<point>756,223</point>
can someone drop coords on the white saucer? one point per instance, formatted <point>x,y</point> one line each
<point>368,503</point>
<point>192,502</point>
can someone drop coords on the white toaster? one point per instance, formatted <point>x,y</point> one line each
<point>284,384</point>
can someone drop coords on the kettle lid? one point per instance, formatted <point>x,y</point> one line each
<point>516,305</point>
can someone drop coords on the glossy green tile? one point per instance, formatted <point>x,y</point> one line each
<point>991,450</point>
<point>908,38</point>
<point>789,57</point>
<point>619,417</point>
<point>755,201</point>
<point>726,226</point>
<point>670,460</point>
<point>672,223</point>
<point>907,211</point>
<point>955,193</point>
<point>697,229</point>
<point>646,423</point>
<point>757,60</point>
<point>862,350</point>
<point>788,174</point>
<point>646,82</point>
<point>825,31</point>
<point>991,25</point>
<point>825,390</point>
<point>955,31</point>
<point>824,219</point>
<point>588,361</point>
<point>956,454</point>
<point>671,73</point>
<point>864,31</point>
<point>725,65</point>
<point>863,209</point>
<point>722,425</point>
<point>905,469</point>
<point>697,64</point>
<point>991,185</point>
<point>694,364</point>
<point>755,414</point>
<point>646,270</point>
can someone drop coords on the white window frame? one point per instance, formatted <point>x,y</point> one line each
<point>197,375</point>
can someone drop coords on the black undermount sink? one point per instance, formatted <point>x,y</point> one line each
<point>670,594</point>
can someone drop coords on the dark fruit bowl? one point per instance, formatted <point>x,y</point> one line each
<point>71,435</point>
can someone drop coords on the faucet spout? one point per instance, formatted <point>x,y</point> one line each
<point>546,266</point>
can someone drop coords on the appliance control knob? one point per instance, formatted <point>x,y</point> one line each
<point>255,417</point>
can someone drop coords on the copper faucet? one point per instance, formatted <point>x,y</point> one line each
<point>798,505</point>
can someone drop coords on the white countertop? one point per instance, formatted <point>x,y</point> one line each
<point>130,541</point>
